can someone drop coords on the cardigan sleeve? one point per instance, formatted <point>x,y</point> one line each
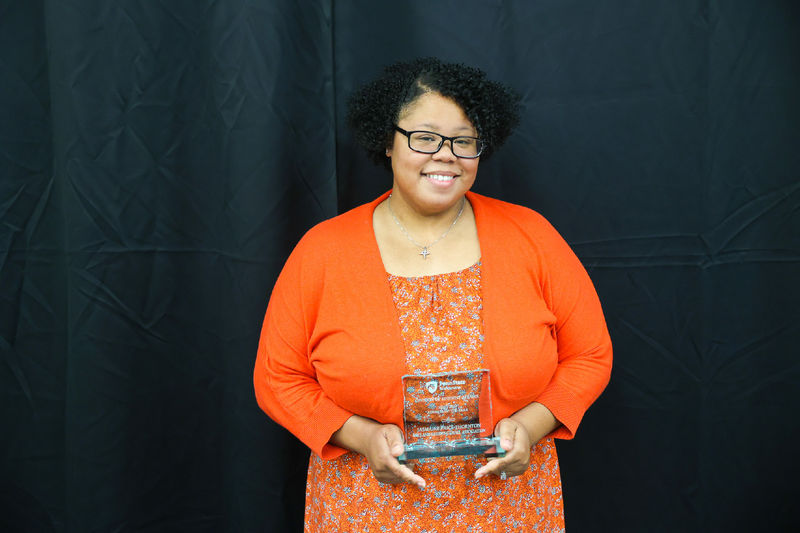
<point>285,381</point>
<point>583,342</point>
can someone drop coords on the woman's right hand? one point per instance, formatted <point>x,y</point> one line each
<point>383,447</point>
<point>381,444</point>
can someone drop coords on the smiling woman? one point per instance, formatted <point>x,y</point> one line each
<point>431,279</point>
<point>430,186</point>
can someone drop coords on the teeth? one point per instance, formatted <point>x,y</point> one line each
<point>439,177</point>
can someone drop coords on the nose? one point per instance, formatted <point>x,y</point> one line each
<point>445,155</point>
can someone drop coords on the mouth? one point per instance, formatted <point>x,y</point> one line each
<point>441,178</point>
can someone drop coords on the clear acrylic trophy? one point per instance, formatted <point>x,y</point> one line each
<point>448,414</point>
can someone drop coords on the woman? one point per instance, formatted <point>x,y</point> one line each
<point>431,278</point>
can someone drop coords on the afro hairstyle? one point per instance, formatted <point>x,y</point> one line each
<point>374,109</point>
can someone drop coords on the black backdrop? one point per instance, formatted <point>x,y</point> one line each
<point>159,159</point>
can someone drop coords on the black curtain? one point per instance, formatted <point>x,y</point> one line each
<point>158,160</point>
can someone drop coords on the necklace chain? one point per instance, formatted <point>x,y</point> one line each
<point>425,249</point>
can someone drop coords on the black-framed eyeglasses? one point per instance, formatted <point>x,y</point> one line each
<point>428,142</point>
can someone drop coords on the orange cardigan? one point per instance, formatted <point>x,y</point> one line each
<point>331,344</point>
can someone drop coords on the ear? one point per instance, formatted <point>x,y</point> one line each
<point>388,152</point>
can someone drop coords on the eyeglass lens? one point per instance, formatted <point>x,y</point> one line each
<point>427,142</point>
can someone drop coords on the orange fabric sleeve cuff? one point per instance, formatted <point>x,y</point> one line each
<point>564,406</point>
<point>323,423</point>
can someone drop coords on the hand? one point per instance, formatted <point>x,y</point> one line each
<point>516,441</point>
<point>382,447</point>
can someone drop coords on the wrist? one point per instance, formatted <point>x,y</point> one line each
<point>355,434</point>
<point>537,420</point>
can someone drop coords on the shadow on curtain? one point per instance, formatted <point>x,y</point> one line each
<point>158,161</point>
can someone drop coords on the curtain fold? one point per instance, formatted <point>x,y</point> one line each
<point>158,161</point>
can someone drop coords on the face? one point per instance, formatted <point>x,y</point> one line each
<point>431,184</point>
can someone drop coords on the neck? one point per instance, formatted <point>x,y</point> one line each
<point>423,226</point>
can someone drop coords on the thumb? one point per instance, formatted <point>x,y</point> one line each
<point>505,430</point>
<point>394,439</point>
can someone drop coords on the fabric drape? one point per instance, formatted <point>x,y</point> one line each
<point>159,160</point>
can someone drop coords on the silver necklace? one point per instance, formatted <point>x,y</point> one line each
<point>425,249</point>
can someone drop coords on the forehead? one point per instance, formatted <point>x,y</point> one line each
<point>434,111</point>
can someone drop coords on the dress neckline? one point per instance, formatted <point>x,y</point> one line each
<point>474,266</point>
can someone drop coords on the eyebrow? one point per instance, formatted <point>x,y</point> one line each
<point>434,127</point>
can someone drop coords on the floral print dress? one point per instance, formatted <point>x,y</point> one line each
<point>441,322</point>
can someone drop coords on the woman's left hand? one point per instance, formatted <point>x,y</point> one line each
<point>516,441</point>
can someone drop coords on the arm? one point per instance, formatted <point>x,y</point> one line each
<point>288,392</point>
<point>583,343</point>
<point>285,381</point>
<point>287,386</point>
<point>584,357</point>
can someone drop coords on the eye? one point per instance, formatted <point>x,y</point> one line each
<point>465,141</point>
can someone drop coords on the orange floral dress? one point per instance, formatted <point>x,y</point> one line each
<point>442,327</point>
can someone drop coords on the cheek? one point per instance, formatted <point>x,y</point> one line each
<point>407,160</point>
<point>471,167</point>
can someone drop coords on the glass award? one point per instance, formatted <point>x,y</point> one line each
<point>448,414</point>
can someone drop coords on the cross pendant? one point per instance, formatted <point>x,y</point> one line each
<point>425,253</point>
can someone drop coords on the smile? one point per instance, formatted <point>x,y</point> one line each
<point>440,177</point>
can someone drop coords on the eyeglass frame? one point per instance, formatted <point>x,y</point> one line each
<point>481,142</point>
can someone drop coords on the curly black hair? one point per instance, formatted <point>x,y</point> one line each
<point>374,109</point>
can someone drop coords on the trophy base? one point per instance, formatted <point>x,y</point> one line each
<point>489,446</point>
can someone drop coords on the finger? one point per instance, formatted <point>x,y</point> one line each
<point>408,475</point>
<point>396,473</point>
<point>394,440</point>
<point>506,430</point>
<point>493,466</point>
<point>401,473</point>
<point>515,462</point>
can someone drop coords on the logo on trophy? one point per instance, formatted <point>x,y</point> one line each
<point>448,414</point>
